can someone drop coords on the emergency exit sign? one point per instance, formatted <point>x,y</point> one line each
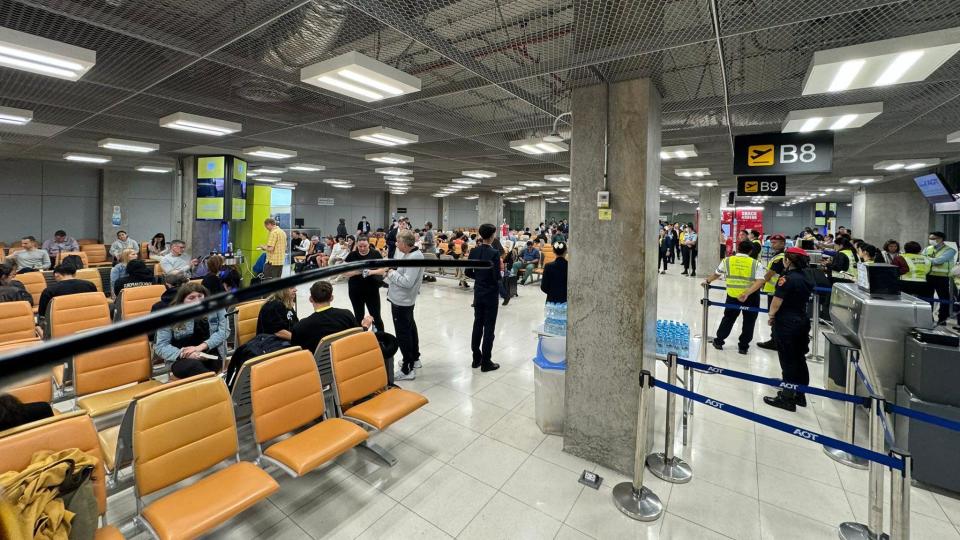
<point>759,186</point>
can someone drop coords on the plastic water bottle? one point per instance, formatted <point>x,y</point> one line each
<point>670,337</point>
<point>684,341</point>
<point>659,346</point>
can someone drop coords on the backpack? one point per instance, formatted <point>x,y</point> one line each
<point>13,293</point>
<point>258,345</point>
<point>261,262</point>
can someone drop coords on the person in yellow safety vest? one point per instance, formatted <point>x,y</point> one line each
<point>775,269</point>
<point>914,269</point>
<point>744,276</point>
<point>757,247</point>
<point>941,258</point>
<point>867,253</point>
<point>847,249</point>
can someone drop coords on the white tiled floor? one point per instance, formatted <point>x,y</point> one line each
<point>473,464</point>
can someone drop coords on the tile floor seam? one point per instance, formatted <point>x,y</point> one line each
<point>395,503</point>
<point>665,512</point>
<point>305,503</point>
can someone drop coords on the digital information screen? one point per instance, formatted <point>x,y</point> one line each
<point>933,189</point>
<point>210,188</point>
<point>239,193</point>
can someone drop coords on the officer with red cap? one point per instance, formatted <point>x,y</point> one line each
<point>791,328</point>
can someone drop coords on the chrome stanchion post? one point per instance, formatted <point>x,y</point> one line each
<point>687,403</point>
<point>900,497</point>
<point>849,424</point>
<point>873,530</point>
<point>704,323</point>
<point>666,465</point>
<point>633,498</point>
<point>815,328</point>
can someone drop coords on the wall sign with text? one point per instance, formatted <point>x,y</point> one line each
<point>783,153</point>
<point>758,186</point>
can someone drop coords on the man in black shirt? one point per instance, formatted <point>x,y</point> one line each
<point>325,320</point>
<point>486,294</point>
<point>67,283</point>
<point>363,227</point>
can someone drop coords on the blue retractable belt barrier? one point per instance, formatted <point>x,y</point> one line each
<point>769,381</point>
<point>716,288</point>
<point>822,289</point>
<point>923,417</point>
<point>736,306</point>
<point>883,459</point>
<point>937,300</point>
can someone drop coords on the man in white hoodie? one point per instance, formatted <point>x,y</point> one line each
<point>404,287</point>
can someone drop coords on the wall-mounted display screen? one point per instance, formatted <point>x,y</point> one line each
<point>210,188</point>
<point>239,193</point>
<point>933,189</point>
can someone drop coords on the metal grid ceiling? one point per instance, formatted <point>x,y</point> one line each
<point>492,71</point>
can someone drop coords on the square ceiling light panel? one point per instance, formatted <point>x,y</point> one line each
<point>154,169</point>
<point>268,179</point>
<point>905,164</point>
<point>682,151</point>
<point>466,181</point>
<point>269,170</point>
<point>698,172</point>
<point>384,136</point>
<point>557,177</point>
<point>833,118</point>
<point>269,152</point>
<point>861,179</point>
<point>360,77</point>
<point>532,183</point>
<point>288,185</point>
<point>389,159</point>
<point>536,145</point>
<point>199,124</point>
<point>17,117</point>
<point>306,167</point>
<point>86,158</point>
<point>35,54</point>
<point>335,181</point>
<point>393,171</point>
<point>479,174</point>
<point>951,138</point>
<point>703,183</point>
<point>880,63</point>
<point>124,145</point>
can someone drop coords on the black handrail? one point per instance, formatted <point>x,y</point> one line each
<point>22,364</point>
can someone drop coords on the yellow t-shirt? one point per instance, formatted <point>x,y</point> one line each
<point>277,239</point>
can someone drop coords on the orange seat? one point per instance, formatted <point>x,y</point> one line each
<point>360,375</point>
<point>73,313</point>
<point>97,255</point>
<point>35,389</point>
<point>93,276</point>
<point>35,283</point>
<point>182,429</point>
<point>138,301</point>
<point>288,395</point>
<point>16,321</point>
<point>64,254</point>
<point>107,379</point>
<point>245,323</point>
<point>74,430</point>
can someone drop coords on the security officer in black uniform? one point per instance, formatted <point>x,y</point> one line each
<point>791,328</point>
<point>486,299</point>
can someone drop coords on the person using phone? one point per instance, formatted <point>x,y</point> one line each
<point>193,347</point>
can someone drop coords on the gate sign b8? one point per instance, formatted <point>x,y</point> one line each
<point>758,186</point>
<point>783,153</point>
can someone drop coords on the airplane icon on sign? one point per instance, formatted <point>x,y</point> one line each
<point>760,155</point>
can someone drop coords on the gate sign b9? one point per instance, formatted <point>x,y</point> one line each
<point>783,153</point>
<point>757,186</point>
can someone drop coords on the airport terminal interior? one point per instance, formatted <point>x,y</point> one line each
<point>480,269</point>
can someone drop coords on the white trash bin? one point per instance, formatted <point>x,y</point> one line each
<point>549,378</point>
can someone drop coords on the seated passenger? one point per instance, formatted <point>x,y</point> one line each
<point>138,275</point>
<point>31,258</point>
<point>176,261</point>
<point>325,320</point>
<point>188,346</point>
<point>60,243</point>
<point>14,413</point>
<point>120,270</point>
<point>172,282</point>
<point>67,283</point>
<point>279,315</point>
<point>12,290</point>
<point>212,281</point>
<point>121,243</point>
<point>529,259</point>
<point>157,247</point>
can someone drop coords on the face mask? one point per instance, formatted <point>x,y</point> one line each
<point>932,242</point>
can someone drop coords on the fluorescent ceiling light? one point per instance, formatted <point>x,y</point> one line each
<point>86,158</point>
<point>286,184</point>
<point>268,179</point>
<point>360,77</point>
<point>954,137</point>
<point>393,171</point>
<point>153,169</point>
<point>306,167</point>
<point>199,124</point>
<point>501,191</point>
<point>269,152</point>
<point>905,164</point>
<point>399,178</point>
<point>704,184</point>
<point>343,186</point>
<point>384,136</point>
<point>270,170</point>
<point>563,190</point>
<point>128,146</point>
<point>548,192</point>
<point>335,181</point>
<point>17,117</point>
<point>388,158</point>
<point>439,195</point>
<point>842,117</point>
<point>27,52</point>
<point>698,172</point>
<point>252,173</point>
<point>532,183</point>
<point>479,174</point>
<point>471,197</point>
<point>466,181</point>
<point>557,177</point>
<point>678,152</point>
<point>536,145</point>
<point>860,179</point>
<point>515,188</point>
<point>879,63</point>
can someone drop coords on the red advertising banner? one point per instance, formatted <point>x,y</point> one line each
<point>746,220</point>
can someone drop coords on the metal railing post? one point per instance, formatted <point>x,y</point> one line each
<point>666,465</point>
<point>873,530</point>
<point>900,497</point>
<point>815,328</point>
<point>849,422</point>
<point>704,323</point>
<point>687,403</point>
<point>633,498</point>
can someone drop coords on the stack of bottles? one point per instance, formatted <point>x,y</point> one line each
<point>673,337</point>
<point>556,319</point>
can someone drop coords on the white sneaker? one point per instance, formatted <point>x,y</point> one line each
<point>417,364</point>
<point>401,376</point>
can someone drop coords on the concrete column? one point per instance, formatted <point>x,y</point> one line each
<point>490,209</point>
<point>612,303</point>
<point>443,209</point>
<point>891,210</point>
<point>708,230</point>
<point>535,211</point>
